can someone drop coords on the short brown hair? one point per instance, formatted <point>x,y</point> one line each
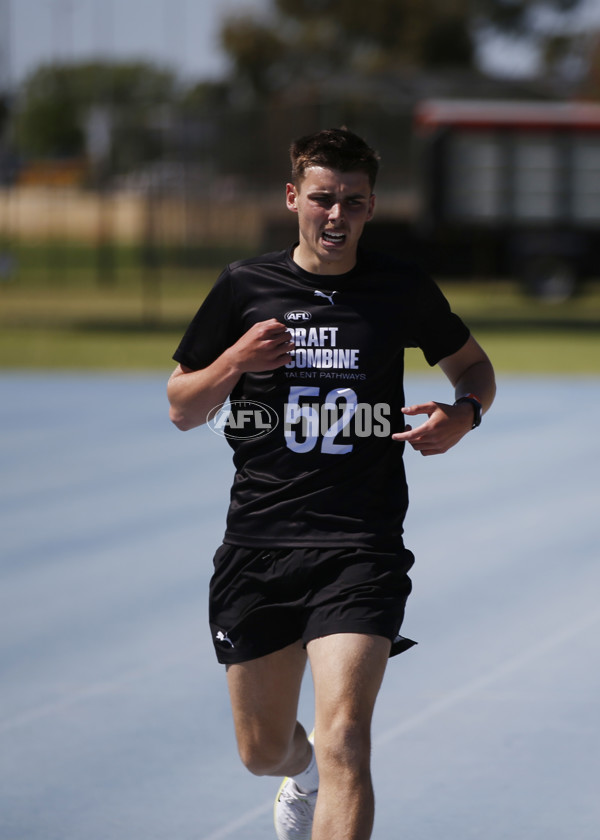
<point>334,148</point>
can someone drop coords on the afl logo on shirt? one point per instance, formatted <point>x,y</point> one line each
<point>242,420</point>
<point>297,315</point>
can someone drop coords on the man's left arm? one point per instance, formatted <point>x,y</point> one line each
<point>472,375</point>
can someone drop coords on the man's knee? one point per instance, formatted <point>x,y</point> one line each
<point>264,757</point>
<point>345,747</point>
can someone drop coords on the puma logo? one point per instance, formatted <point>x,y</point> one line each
<point>328,297</point>
<point>223,637</point>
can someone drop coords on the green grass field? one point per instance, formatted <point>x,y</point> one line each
<point>63,311</point>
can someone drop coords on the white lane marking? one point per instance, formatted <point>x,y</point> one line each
<point>94,690</point>
<point>439,706</point>
<point>430,711</point>
<point>241,822</point>
<point>493,676</point>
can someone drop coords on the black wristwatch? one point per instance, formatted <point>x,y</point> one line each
<point>477,408</point>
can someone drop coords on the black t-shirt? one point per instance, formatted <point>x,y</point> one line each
<point>319,468</point>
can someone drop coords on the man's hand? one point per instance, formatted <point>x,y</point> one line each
<point>445,426</point>
<point>194,394</point>
<point>265,346</point>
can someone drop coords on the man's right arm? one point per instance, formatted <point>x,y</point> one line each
<point>194,393</point>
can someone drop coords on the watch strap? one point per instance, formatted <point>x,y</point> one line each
<point>477,407</point>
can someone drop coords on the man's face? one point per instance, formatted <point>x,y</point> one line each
<point>332,209</point>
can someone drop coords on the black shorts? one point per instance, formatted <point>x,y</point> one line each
<point>262,600</point>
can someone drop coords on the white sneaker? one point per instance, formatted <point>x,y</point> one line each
<point>294,812</point>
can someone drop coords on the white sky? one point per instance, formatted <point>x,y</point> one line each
<point>181,33</point>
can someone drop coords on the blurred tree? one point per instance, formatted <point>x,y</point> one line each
<point>590,85</point>
<point>310,39</point>
<point>48,123</point>
<point>204,95</point>
<point>559,37</point>
<point>4,112</point>
<point>519,16</point>
<point>256,49</point>
<point>55,101</point>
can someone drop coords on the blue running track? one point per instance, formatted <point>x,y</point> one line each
<point>114,718</point>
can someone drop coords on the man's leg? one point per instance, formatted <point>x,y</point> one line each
<point>347,672</point>
<point>264,700</point>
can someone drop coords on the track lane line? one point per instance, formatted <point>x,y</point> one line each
<point>439,706</point>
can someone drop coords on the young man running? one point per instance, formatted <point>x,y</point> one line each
<point>308,344</point>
